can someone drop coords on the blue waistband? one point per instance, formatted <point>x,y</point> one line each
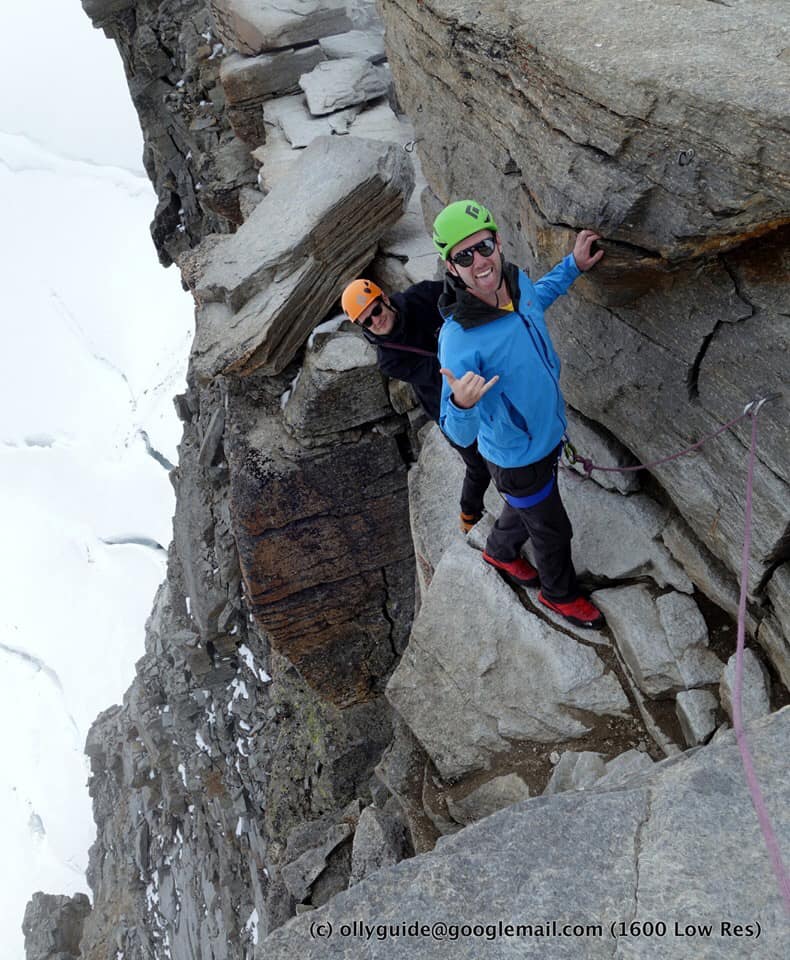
<point>534,498</point>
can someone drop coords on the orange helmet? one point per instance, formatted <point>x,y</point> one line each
<point>358,295</point>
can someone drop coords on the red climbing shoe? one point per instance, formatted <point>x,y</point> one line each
<point>518,570</point>
<point>579,611</point>
<point>468,520</point>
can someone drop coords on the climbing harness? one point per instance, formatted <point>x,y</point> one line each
<point>751,409</point>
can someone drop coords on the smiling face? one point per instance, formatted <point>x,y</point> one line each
<point>483,276</point>
<point>381,325</point>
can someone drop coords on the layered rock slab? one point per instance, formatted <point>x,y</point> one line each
<point>252,27</point>
<point>324,548</point>
<point>684,843</point>
<point>662,159</point>
<point>481,672</point>
<point>263,289</point>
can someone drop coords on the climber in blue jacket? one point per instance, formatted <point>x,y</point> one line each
<point>501,387</point>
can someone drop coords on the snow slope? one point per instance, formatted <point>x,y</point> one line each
<point>95,339</point>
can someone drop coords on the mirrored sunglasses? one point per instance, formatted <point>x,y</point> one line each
<point>465,258</point>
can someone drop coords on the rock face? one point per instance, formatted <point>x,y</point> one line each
<point>684,320</point>
<point>251,27</point>
<point>265,288</point>
<point>480,672</point>
<point>256,770</point>
<point>53,926</point>
<point>324,547</point>
<point>684,839</point>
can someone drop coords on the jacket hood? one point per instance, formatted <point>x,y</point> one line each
<point>469,311</point>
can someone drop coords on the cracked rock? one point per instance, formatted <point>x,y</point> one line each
<point>480,672</point>
<point>755,694</point>
<point>696,712</point>
<point>663,641</point>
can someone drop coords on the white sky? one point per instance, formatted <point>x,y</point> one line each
<point>95,340</point>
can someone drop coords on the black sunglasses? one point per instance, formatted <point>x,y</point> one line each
<point>367,323</point>
<point>465,258</point>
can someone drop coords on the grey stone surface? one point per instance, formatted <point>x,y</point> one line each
<point>250,82</point>
<point>493,795</point>
<point>706,571</point>
<point>265,288</point>
<point>772,637</point>
<point>696,712</point>
<point>299,125</point>
<point>755,693</point>
<point>669,336</point>
<point>624,768</point>
<point>335,84</point>
<point>434,492</point>
<point>575,771</point>
<point>663,641</point>
<point>300,874</point>
<point>480,672</point>
<point>339,387</point>
<point>251,27</point>
<point>53,926</point>
<point>596,444</point>
<point>275,159</point>
<point>774,632</point>
<point>618,537</point>
<point>378,842</point>
<point>686,840</point>
<point>361,44</point>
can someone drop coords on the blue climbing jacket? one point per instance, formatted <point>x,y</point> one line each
<point>521,419</point>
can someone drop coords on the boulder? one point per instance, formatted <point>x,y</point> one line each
<point>625,767</point>
<point>358,44</point>
<point>252,27</point>
<point>663,641</point>
<point>684,844</point>
<point>324,548</point>
<point>435,483</point>
<point>335,84</point>
<point>618,537</point>
<point>493,795</point>
<point>300,874</point>
<point>339,387</point>
<point>53,926</point>
<point>480,673</point>
<point>575,771</point>
<point>265,288</point>
<point>755,693</point>
<point>299,125</point>
<point>696,712</point>
<point>378,842</point>
<point>684,320</point>
<point>774,632</point>
<point>249,82</point>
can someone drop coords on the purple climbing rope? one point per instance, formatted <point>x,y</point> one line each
<point>589,466</point>
<point>737,718</point>
<point>750,410</point>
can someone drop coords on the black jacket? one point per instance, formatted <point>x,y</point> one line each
<point>417,325</point>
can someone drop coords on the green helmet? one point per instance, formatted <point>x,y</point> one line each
<point>458,221</point>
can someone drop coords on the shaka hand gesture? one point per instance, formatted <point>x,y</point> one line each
<point>467,389</point>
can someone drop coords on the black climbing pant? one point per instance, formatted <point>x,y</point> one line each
<point>476,479</point>
<point>545,523</point>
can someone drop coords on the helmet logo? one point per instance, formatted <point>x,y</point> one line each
<point>472,211</point>
<point>362,299</point>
